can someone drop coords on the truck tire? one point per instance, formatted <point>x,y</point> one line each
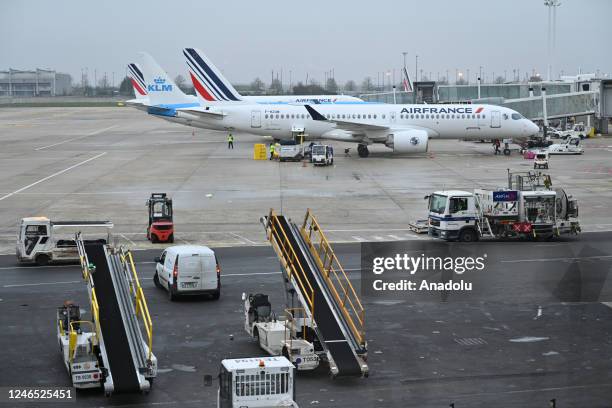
<point>506,152</point>
<point>42,260</point>
<point>216,294</point>
<point>171,239</point>
<point>153,238</point>
<point>156,281</point>
<point>468,235</point>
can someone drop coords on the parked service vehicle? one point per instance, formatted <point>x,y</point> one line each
<point>262,382</point>
<point>571,146</point>
<point>528,208</point>
<point>188,270</point>
<point>322,155</point>
<point>280,335</point>
<point>540,160</point>
<point>577,129</point>
<point>79,345</point>
<point>43,241</point>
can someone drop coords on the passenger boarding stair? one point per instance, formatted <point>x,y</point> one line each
<point>117,303</point>
<point>325,291</point>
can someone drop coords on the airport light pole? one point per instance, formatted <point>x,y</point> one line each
<point>416,78</point>
<point>551,34</point>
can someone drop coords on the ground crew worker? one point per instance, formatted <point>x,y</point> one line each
<point>272,151</point>
<point>496,144</point>
<point>230,141</point>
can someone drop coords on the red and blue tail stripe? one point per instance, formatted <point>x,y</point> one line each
<point>137,79</point>
<point>206,81</point>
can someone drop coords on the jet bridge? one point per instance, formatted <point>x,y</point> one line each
<point>117,303</point>
<point>329,299</point>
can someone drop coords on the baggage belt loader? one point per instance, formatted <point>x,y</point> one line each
<point>528,209</point>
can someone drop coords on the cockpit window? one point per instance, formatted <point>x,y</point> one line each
<point>516,116</point>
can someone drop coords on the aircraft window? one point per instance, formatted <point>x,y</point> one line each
<point>427,116</point>
<point>452,116</point>
<point>266,116</point>
<point>402,116</point>
<point>354,116</point>
<point>473,116</point>
<point>358,116</point>
<point>478,116</point>
<point>374,116</point>
<point>447,116</point>
<point>483,116</point>
<point>411,116</point>
<point>437,116</point>
<point>369,116</point>
<point>383,116</point>
<point>292,116</point>
<point>463,116</point>
<point>516,116</point>
<point>277,116</point>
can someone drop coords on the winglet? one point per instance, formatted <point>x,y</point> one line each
<point>315,115</point>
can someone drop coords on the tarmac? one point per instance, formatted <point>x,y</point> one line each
<point>541,332</point>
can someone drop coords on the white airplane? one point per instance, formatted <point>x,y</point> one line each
<point>403,128</point>
<point>152,80</point>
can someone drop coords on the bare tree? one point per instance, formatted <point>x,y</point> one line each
<point>350,86</point>
<point>257,86</point>
<point>367,84</point>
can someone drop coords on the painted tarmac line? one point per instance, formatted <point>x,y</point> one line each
<point>96,132</point>
<point>42,180</point>
<point>243,238</point>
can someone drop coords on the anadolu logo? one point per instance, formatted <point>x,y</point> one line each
<point>159,85</point>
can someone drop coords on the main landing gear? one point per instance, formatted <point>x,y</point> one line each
<point>362,150</point>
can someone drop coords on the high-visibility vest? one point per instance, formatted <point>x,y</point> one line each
<point>272,148</point>
<point>230,138</point>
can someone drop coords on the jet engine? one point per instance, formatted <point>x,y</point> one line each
<point>408,141</point>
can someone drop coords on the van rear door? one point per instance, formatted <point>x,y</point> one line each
<point>191,272</point>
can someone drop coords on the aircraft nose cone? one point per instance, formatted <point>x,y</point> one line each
<point>531,128</point>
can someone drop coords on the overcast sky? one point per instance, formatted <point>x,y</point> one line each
<point>248,39</point>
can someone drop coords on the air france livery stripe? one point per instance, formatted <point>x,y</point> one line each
<point>137,79</point>
<point>206,74</point>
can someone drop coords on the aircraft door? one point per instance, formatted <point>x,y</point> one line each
<point>255,119</point>
<point>495,119</point>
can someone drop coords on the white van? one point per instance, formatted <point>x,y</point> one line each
<point>188,270</point>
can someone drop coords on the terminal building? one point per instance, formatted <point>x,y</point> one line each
<point>40,82</point>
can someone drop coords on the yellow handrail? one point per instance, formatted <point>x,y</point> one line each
<point>335,276</point>
<point>140,301</point>
<point>289,259</point>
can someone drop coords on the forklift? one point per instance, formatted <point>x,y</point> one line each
<point>161,226</point>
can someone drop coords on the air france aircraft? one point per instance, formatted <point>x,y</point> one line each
<point>403,128</point>
<point>154,88</point>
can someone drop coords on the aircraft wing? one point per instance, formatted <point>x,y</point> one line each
<point>203,112</point>
<point>349,126</point>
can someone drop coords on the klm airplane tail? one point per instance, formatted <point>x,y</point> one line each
<point>210,84</point>
<point>160,88</point>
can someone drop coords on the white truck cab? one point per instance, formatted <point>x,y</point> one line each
<point>452,215</point>
<point>43,241</point>
<point>262,382</point>
<point>188,270</point>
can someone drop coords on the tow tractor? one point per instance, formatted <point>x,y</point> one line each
<point>257,382</point>
<point>529,208</point>
<point>284,335</point>
<point>43,241</point>
<point>80,347</point>
<point>161,226</point>
<point>572,145</point>
<point>322,155</point>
